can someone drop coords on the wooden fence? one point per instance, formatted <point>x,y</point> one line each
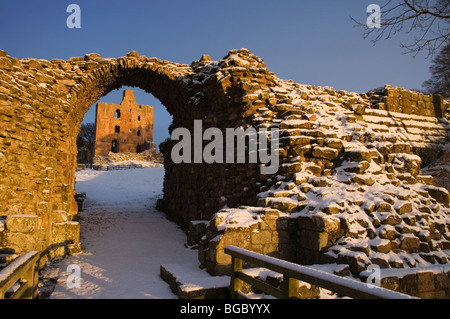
<point>292,273</point>
<point>19,280</point>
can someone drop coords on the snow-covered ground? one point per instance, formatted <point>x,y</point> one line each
<point>125,239</point>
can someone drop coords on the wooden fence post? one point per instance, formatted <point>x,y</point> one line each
<point>290,287</point>
<point>236,283</point>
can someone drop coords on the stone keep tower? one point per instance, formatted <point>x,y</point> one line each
<point>124,128</point>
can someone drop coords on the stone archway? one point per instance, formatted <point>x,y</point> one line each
<point>42,106</point>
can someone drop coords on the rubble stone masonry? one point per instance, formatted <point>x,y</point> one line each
<point>349,189</point>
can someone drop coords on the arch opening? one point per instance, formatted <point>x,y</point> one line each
<point>188,92</point>
<point>168,95</point>
<point>191,191</point>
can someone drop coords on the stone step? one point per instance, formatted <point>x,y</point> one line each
<point>188,281</point>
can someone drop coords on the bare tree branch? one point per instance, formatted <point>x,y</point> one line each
<point>426,11</point>
<point>429,19</point>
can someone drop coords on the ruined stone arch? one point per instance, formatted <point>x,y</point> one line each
<point>157,77</point>
<point>328,142</point>
<point>43,104</point>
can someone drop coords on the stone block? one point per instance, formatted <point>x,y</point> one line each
<point>325,153</point>
<point>387,232</point>
<point>237,236</point>
<point>391,283</point>
<point>381,245</point>
<point>284,237</point>
<point>409,243</point>
<point>22,223</point>
<point>313,240</point>
<point>6,63</point>
<point>390,218</point>
<point>307,291</point>
<point>300,178</point>
<point>196,230</point>
<point>358,167</point>
<point>7,110</point>
<point>215,253</point>
<point>284,204</point>
<point>408,284</point>
<point>307,256</point>
<point>333,209</point>
<point>386,208</point>
<point>21,242</point>
<point>403,208</point>
<point>42,208</point>
<point>442,281</point>
<point>402,148</point>
<point>380,260</point>
<point>342,270</point>
<point>334,143</point>
<point>440,194</point>
<point>358,261</point>
<point>320,223</point>
<point>65,233</point>
<point>425,281</point>
<point>59,216</point>
<point>363,180</point>
<point>301,150</point>
<point>356,155</point>
<point>261,237</point>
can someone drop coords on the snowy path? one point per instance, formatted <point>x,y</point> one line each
<point>125,239</point>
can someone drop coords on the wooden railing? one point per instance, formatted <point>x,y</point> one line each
<point>292,273</point>
<point>20,278</point>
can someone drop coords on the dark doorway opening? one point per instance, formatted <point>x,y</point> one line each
<point>115,146</point>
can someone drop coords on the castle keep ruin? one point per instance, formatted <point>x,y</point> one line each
<point>349,189</point>
<point>124,128</point>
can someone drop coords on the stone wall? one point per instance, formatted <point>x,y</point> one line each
<point>349,189</point>
<point>400,100</point>
<point>42,104</point>
<point>428,283</point>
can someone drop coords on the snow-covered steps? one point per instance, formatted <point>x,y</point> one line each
<point>420,131</point>
<point>432,282</point>
<point>188,281</point>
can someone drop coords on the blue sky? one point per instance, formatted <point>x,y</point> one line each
<point>310,42</point>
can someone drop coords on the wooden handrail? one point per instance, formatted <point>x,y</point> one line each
<point>23,271</point>
<point>292,273</point>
